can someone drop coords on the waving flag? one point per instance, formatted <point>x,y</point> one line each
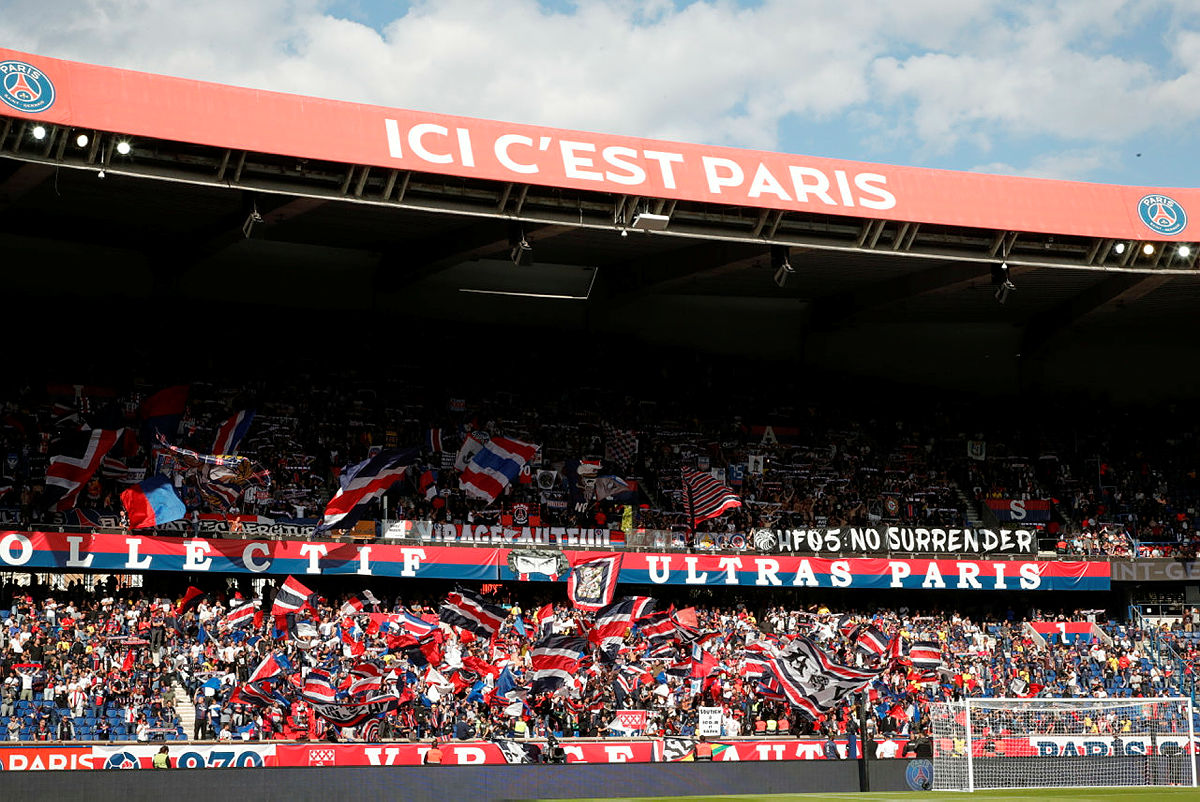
<point>495,466</point>
<point>812,682</point>
<point>658,626</point>
<point>555,661</point>
<point>613,622</point>
<point>365,482</point>
<point>272,666</point>
<point>152,502</point>
<point>76,456</point>
<point>593,579</point>
<point>161,412</point>
<point>191,597</point>
<point>318,686</point>
<point>351,714</point>
<point>706,497</point>
<point>359,603</point>
<point>413,625</point>
<point>519,751</point>
<point>703,662</point>
<point>230,435</point>
<point>469,611</point>
<point>925,654</point>
<point>243,614</point>
<point>872,640</point>
<point>290,597</point>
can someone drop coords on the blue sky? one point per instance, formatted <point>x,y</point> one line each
<point>1072,89</point>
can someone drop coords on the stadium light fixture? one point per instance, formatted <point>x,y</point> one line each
<point>1148,249</point>
<point>1184,251</point>
<point>123,148</point>
<point>780,261</point>
<point>519,249</point>
<point>82,140</point>
<point>39,132</point>
<point>253,217</point>
<point>644,221</point>
<point>1002,282</point>
<point>1119,248</point>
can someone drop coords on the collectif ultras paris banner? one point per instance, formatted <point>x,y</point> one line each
<point>131,553</point>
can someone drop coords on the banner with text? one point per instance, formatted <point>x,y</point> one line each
<point>66,757</point>
<point>1017,510</point>
<point>56,551</point>
<point>897,539</point>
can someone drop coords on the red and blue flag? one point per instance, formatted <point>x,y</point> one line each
<point>152,502</point>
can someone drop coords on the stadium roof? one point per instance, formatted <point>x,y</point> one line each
<point>323,204</point>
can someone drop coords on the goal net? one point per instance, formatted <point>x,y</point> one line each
<point>1058,743</point>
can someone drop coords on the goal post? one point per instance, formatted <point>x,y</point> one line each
<point>983,743</point>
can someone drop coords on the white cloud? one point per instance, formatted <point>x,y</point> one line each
<point>1067,165</point>
<point>918,78</point>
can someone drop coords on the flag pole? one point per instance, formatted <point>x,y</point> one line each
<point>864,775</point>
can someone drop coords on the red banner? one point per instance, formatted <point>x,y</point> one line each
<point>142,105</point>
<point>454,753</point>
<point>239,754</point>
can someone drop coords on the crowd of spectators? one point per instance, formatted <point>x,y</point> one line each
<point>1110,491</point>
<point>85,666</point>
<point>105,664</point>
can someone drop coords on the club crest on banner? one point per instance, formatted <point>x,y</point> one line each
<point>1162,215</point>
<point>25,87</point>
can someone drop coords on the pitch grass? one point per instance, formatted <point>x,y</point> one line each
<point>1075,794</point>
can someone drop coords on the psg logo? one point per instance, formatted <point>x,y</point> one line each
<point>122,760</point>
<point>25,87</point>
<point>919,775</point>
<point>1162,215</point>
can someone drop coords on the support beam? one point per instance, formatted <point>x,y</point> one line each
<point>1118,288</point>
<point>659,273</point>
<point>404,264</point>
<point>831,310</point>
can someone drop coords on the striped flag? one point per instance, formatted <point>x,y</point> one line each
<point>812,682</point>
<point>231,432</point>
<point>76,458</point>
<point>291,597</point>
<point>872,640</point>
<point>495,466</point>
<point>433,440</point>
<point>318,686</point>
<point>272,666</point>
<point>706,497</point>
<point>243,614</point>
<point>469,611</point>
<point>613,622</point>
<point>925,654</point>
<point>555,661</point>
<point>363,483</point>
<point>359,603</point>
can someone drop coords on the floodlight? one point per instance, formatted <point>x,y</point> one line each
<point>1148,249</point>
<point>123,148</point>
<point>645,221</point>
<point>81,140</point>
<point>39,132</point>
